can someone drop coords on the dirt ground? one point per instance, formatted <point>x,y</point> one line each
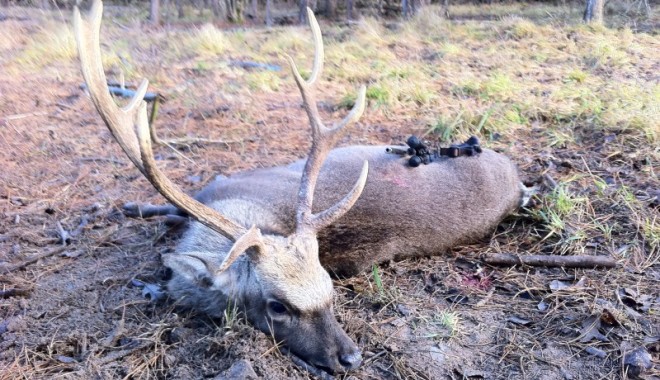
<point>72,266</point>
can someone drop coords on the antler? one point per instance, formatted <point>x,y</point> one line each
<point>323,139</point>
<point>122,123</point>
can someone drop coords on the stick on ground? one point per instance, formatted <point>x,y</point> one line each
<point>32,260</point>
<point>550,260</point>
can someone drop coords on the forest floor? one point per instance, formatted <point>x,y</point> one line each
<point>576,107</point>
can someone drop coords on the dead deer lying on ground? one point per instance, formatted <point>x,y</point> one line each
<point>257,241</point>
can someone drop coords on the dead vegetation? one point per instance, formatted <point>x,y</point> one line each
<point>578,108</point>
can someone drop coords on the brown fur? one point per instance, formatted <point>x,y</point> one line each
<point>402,212</point>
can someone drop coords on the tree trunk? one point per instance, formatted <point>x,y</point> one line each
<point>179,8</point>
<point>234,10</point>
<point>302,12</point>
<point>216,7</point>
<point>166,11</point>
<point>200,5</point>
<point>445,8</point>
<point>154,12</point>
<point>593,13</point>
<point>349,9</point>
<point>404,8</point>
<point>253,9</point>
<point>330,9</point>
<point>269,15</point>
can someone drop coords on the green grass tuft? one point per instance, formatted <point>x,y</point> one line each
<point>379,95</point>
<point>51,46</point>
<point>207,41</point>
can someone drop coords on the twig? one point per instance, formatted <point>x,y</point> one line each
<point>33,260</point>
<point>126,93</point>
<point>16,292</point>
<point>321,374</point>
<point>373,358</point>
<point>60,104</point>
<point>84,221</point>
<point>115,334</point>
<point>58,250</point>
<point>550,182</point>
<point>197,140</point>
<point>65,237</point>
<point>184,140</point>
<point>23,115</point>
<point>106,159</point>
<point>580,261</point>
<point>120,25</point>
<point>255,65</point>
<point>115,355</point>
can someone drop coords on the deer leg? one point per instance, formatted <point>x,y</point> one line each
<point>173,216</point>
<point>147,210</point>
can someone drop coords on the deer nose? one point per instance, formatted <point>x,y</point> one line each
<point>351,361</point>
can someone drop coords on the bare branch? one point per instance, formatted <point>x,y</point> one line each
<point>550,260</point>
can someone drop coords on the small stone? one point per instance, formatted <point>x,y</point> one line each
<point>66,359</point>
<point>16,324</point>
<point>240,370</point>
<point>179,334</point>
<point>637,361</point>
<point>438,354</point>
<point>542,306</point>
<point>403,310</point>
<point>170,360</point>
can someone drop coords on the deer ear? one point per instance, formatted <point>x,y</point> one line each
<point>192,266</point>
<point>251,239</point>
<point>196,267</point>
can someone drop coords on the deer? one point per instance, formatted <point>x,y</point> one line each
<point>267,240</point>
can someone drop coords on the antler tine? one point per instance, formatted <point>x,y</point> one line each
<point>323,139</point>
<point>122,122</point>
<point>118,120</point>
<point>252,238</point>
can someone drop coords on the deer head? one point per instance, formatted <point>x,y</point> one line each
<point>277,280</point>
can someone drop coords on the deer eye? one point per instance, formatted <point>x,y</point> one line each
<point>277,308</point>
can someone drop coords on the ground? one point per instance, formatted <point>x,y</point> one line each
<point>576,107</point>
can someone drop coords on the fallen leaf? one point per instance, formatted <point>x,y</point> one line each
<point>542,306</point>
<point>71,255</point>
<point>590,331</point>
<point>638,302</point>
<point>519,321</point>
<point>403,310</point>
<point>609,318</point>
<point>652,343</point>
<point>596,352</point>
<point>66,359</point>
<point>398,322</point>
<point>559,285</point>
<point>637,361</point>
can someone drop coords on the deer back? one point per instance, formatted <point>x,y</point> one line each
<point>402,212</point>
